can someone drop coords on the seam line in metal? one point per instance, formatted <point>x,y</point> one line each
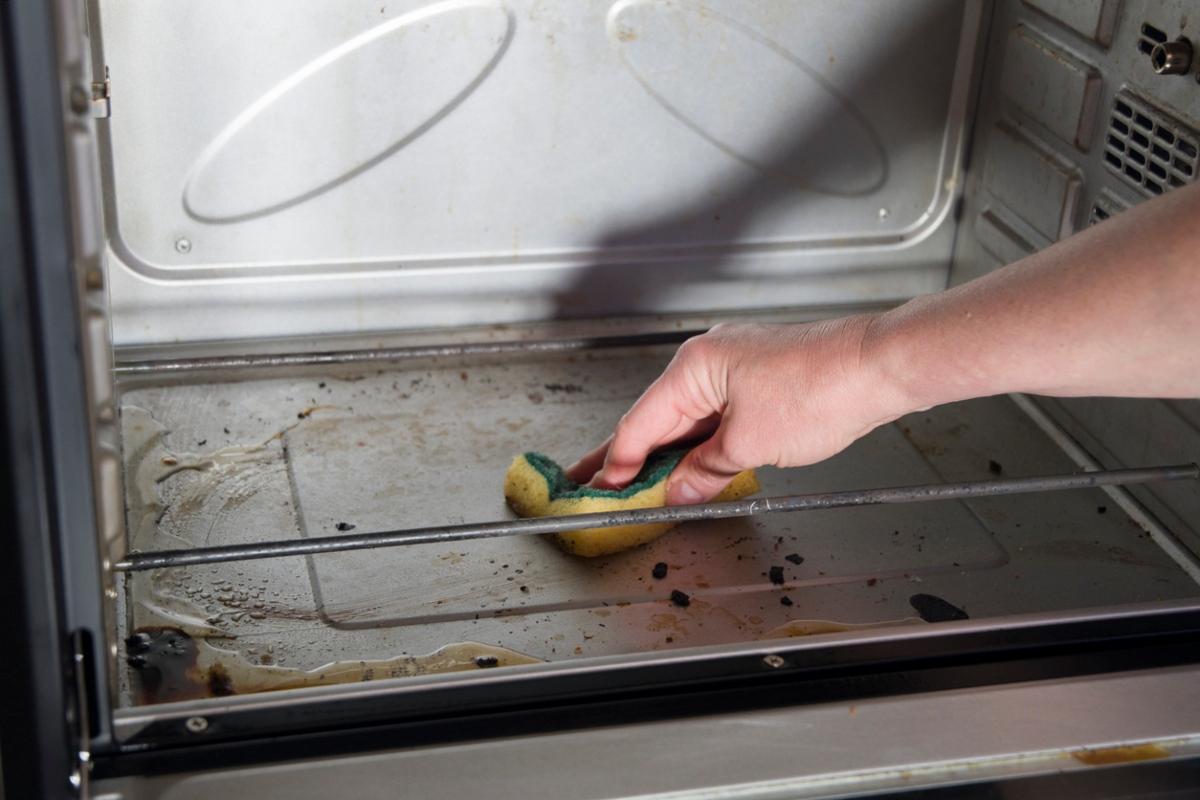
<point>388,354</point>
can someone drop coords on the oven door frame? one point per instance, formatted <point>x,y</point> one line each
<point>55,670</point>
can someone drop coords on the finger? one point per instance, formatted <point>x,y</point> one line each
<point>654,421</point>
<point>704,472</point>
<point>671,409</point>
<point>686,430</point>
<point>586,468</point>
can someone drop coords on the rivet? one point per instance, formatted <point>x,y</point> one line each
<point>773,661</point>
<point>196,724</point>
<point>183,245</point>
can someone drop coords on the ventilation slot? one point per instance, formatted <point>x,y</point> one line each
<point>1104,207</point>
<point>1150,37</point>
<point>1147,148</point>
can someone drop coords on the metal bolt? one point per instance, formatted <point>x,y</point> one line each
<point>196,724</point>
<point>183,245</point>
<point>773,661</point>
<point>884,213</point>
<point>1172,58</point>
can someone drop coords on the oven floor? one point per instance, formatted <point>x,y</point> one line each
<point>428,444</point>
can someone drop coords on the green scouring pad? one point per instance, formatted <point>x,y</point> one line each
<point>536,486</point>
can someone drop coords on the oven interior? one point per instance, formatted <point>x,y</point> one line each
<point>340,263</point>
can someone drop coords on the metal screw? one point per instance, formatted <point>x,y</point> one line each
<point>196,724</point>
<point>183,245</point>
<point>773,661</point>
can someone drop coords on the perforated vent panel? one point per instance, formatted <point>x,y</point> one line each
<point>1150,37</point>
<point>1148,149</point>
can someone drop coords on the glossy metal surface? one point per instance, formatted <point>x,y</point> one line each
<point>836,749</point>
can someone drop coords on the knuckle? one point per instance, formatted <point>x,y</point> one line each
<point>739,452</point>
<point>698,348</point>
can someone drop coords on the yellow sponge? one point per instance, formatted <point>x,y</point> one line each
<point>536,486</point>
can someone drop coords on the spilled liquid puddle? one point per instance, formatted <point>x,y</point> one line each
<point>165,597</point>
<point>172,654</point>
<point>170,665</point>
<point>1120,755</point>
<point>812,627</point>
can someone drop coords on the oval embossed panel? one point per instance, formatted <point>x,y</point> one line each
<point>722,79</point>
<point>347,110</point>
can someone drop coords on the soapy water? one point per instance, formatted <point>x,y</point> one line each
<point>170,665</point>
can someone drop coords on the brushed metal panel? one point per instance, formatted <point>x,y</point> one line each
<point>1095,19</point>
<point>996,235</point>
<point>1032,183</point>
<point>299,168</point>
<point>1052,86</point>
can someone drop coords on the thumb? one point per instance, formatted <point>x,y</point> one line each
<point>703,472</point>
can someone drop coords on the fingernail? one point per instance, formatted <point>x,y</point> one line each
<point>682,493</point>
<point>598,481</point>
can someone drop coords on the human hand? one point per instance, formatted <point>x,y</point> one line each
<point>784,395</point>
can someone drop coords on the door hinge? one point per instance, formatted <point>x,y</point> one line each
<point>79,716</point>
<point>101,96</point>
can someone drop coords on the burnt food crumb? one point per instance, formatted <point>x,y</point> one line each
<point>1101,509</point>
<point>786,601</point>
<point>680,598</point>
<point>344,526</point>
<point>932,608</point>
<point>660,570</point>
<point>795,558</point>
<point>994,467</point>
<point>775,574</point>
<point>483,662</point>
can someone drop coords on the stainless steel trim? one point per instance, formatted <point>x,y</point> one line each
<point>129,721</point>
<point>644,516</point>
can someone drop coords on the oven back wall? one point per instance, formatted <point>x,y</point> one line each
<point>302,168</point>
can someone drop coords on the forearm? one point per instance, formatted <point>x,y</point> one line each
<point>1113,311</point>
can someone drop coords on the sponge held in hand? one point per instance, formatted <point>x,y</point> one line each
<point>536,486</point>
